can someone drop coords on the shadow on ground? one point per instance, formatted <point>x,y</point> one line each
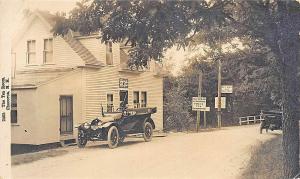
<point>104,145</point>
<point>266,160</point>
<point>31,157</point>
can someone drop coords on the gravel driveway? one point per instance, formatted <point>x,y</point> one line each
<point>212,154</point>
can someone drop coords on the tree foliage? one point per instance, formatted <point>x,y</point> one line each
<point>150,27</point>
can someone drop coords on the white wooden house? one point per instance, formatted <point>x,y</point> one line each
<point>59,82</point>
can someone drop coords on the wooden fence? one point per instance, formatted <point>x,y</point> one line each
<point>250,119</point>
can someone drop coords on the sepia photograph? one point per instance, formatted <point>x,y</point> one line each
<point>149,89</point>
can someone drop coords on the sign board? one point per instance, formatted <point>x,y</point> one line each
<point>205,109</point>
<point>123,83</point>
<point>226,89</point>
<point>198,103</point>
<point>223,102</point>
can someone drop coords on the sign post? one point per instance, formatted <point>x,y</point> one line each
<point>199,95</point>
<point>219,93</point>
<point>206,109</point>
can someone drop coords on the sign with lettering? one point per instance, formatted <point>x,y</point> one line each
<point>198,103</point>
<point>123,83</point>
<point>223,102</point>
<point>226,89</point>
<point>4,97</point>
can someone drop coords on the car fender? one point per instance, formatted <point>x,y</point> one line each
<point>148,119</point>
<point>108,124</point>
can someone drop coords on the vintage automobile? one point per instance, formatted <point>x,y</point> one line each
<point>113,127</point>
<point>271,120</point>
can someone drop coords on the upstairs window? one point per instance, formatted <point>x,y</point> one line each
<point>109,54</point>
<point>136,99</point>
<point>143,99</point>
<point>31,53</point>
<point>110,103</point>
<point>48,51</point>
<point>13,112</point>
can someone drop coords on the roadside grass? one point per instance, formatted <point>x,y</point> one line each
<point>266,161</point>
<point>31,157</point>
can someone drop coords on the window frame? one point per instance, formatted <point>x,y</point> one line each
<point>109,53</point>
<point>47,51</point>
<point>111,104</point>
<point>137,103</point>
<point>14,108</point>
<point>146,99</point>
<point>28,52</point>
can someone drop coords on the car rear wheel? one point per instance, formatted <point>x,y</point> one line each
<point>81,139</point>
<point>113,137</point>
<point>148,131</point>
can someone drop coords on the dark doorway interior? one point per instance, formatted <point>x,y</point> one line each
<point>123,97</point>
<point>66,114</point>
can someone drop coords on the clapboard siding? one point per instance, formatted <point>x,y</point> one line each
<point>100,82</point>
<point>95,47</point>
<point>63,55</point>
<point>98,49</point>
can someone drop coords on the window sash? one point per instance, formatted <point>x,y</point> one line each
<point>31,54</point>
<point>48,45</point>
<point>48,57</point>
<point>136,99</point>
<point>143,99</point>
<point>48,51</point>
<point>31,46</point>
<point>109,54</point>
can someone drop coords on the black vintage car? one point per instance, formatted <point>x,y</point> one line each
<point>113,127</point>
<point>271,120</point>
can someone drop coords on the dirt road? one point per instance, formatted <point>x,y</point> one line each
<point>215,154</point>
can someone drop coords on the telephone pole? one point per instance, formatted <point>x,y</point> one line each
<point>219,93</point>
<point>199,95</point>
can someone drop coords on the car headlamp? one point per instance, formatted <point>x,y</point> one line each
<point>86,125</point>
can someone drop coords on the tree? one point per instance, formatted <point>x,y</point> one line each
<point>153,26</point>
<point>276,24</point>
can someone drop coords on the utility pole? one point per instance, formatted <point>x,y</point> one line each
<point>199,95</point>
<point>219,93</point>
<point>204,119</point>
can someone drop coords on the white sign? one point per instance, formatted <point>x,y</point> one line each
<point>123,83</point>
<point>205,109</point>
<point>198,103</point>
<point>223,102</point>
<point>226,89</point>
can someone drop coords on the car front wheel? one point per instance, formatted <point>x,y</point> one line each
<point>81,139</point>
<point>113,137</point>
<point>148,131</point>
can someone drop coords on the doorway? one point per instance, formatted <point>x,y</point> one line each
<point>123,97</point>
<point>66,114</point>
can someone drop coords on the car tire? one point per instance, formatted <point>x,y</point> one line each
<point>121,139</point>
<point>148,132</point>
<point>81,139</point>
<point>113,137</point>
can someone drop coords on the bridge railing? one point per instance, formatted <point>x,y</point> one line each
<point>250,119</point>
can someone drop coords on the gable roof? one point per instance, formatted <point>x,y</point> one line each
<point>89,59</point>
